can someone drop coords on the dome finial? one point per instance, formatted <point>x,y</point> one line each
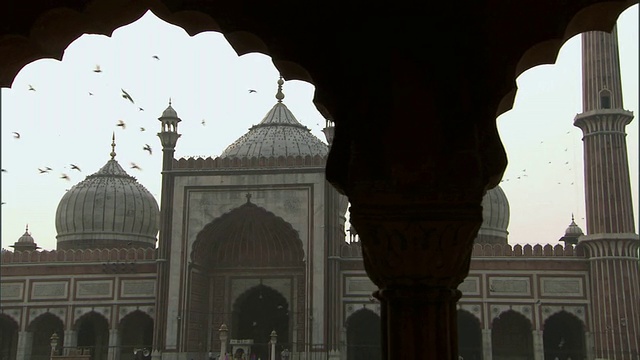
<point>113,146</point>
<point>279,94</point>
<point>169,101</point>
<point>248,195</point>
<point>27,229</point>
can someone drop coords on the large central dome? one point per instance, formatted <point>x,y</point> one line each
<point>109,209</point>
<point>278,134</point>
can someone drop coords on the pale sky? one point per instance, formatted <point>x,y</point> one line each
<point>61,124</point>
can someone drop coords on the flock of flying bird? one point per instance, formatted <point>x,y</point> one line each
<point>120,123</point>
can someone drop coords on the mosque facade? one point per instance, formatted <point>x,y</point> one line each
<point>247,255</point>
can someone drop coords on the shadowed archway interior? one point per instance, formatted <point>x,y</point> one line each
<point>258,312</point>
<point>8,338</point>
<point>511,337</point>
<point>93,333</point>
<point>564,337</point>
<point>136,331</point>
<point>363,336</point>
<point>469,336</point>
<point>42,328</point>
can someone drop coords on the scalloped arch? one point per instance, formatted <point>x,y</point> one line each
<point>55,29</point>
<point>596,17</point>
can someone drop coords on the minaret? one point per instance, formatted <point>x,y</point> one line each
<point>611,242</point>
<point>168,137</point>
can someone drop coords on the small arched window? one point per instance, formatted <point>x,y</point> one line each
<point>605,99</point>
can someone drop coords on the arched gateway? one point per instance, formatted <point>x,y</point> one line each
<point>248,273</point>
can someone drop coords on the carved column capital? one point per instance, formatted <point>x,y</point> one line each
<point>425,245</point>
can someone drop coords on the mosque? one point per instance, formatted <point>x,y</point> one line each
<point>254,261</point>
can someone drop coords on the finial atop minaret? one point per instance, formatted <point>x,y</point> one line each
<point>169,101</point>
<point>113,146</point>
<point>280,94</point>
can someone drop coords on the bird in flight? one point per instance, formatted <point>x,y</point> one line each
<point>65,176</point>
<point>16,135</point>
<point>140,109</point>
<point>90,93</point>
<point>202,122</point>
<point>135,166</point>
<point>127,96</point>
<point>142,129</point>
<point>156,57</point>
<point>31,88</point>
<point>122,124</point>
<point>147,148</point>
<point>97,69</point>
<point>43,171</point>
<point>75,167</point>
<point>4,170</point>
<point>252,91</point>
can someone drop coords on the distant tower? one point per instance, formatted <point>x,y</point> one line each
<point>611,242</point>
<point>169,138</point>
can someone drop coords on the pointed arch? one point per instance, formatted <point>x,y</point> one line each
<point>364,335</point>
<point>563,337</point>
<point>256,313</point>
<point>42,328</point>
<point>8,337</point>
<point>135,331</point>
<point>511,337</point>
<point>93,333</point>
<point>469,336</point>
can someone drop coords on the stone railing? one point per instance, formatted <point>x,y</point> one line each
<point>262,162</point>
<point>354,250</point>
<point>88,255</point>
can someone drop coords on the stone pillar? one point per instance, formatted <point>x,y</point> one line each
<point>70,338</point>
<point>224,335</point>
<point>25,344</point>
<point>487,350</point>
<point>589,345</point>
<point>409,253</point>
<point>114,342</point>
<point>415,151</point>
<point>274,339</point>
<point>538,345</point>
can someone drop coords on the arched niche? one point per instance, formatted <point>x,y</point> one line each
<point>256,313</point>
<point>8,337</point>
<point>564,337</point>
<point>92,330</point>
<point>511,337</point>
<point>469,336</point>
<point>42,328</point>
<point>364,335</point>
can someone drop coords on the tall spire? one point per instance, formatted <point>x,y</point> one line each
<point>607,188</point>
<point>280,94</point>
<point>113,146</point>
<point>601,84</point>
<point>611,243</point>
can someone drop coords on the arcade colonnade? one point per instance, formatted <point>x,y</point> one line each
<point>91,331</point>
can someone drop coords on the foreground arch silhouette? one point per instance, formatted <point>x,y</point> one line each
<point>415,145</point>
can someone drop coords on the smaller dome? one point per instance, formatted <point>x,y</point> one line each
<point>572,234</point>
<point>25,242</point>
<point>169,112</point>
<point>573,229</point>
<point>26,238</point>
